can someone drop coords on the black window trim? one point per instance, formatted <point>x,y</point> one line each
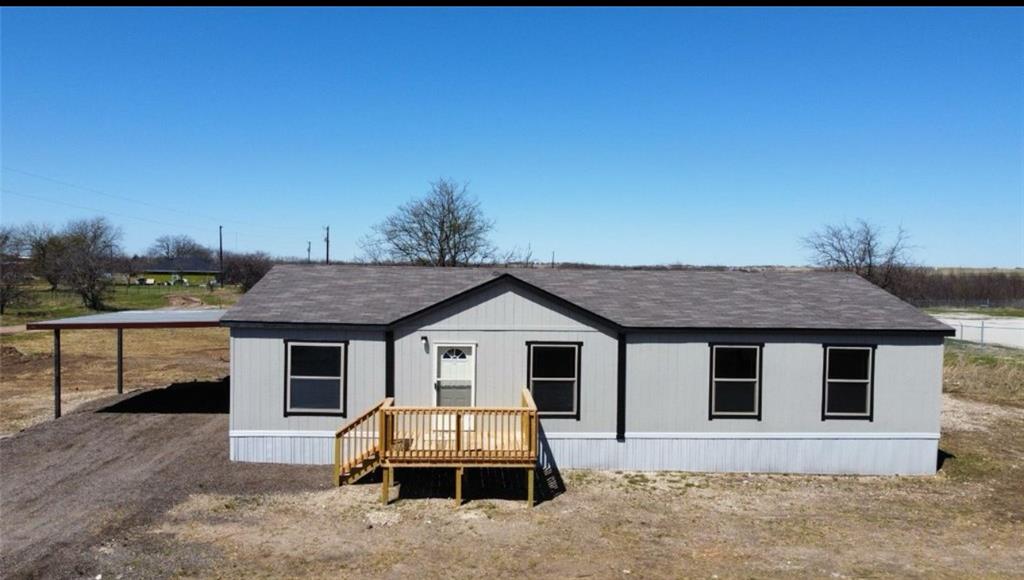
<point>712,415</point>
<point>825,416</point>
<point>344,344</point>
<point>579,375</point>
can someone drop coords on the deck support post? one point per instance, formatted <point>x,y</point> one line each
<point>120,361</point>
<point>337,461</point>
<point>386,478</point>
<point>458,486</point>
<point>529,487</point>
<point>56,373</point>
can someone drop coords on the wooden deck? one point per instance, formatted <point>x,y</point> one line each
<point>458,437</point>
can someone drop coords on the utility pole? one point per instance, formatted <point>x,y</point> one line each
<point>220,254</point>
<point>309,247</point>
<point>327,239</point>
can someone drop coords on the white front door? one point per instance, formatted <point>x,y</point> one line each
<point>454,379</point>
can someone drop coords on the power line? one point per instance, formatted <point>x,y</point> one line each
<point>102,211</point>
<point>143,202</point>
<point>255,237</point>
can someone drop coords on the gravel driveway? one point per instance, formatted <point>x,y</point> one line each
<point>73,484</point>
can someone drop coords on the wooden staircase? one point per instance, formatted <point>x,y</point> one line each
<point>357,446</point>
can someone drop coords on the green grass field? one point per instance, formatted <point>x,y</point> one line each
<point>193,279</point>
<point>47,305</point>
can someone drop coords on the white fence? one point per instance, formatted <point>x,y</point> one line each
<point>1001,331</point>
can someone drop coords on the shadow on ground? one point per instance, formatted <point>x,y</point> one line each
<point>477,484</point>
<point>941,459</point>
<point>207,397</point>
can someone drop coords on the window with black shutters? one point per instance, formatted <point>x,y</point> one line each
<point>848,388</point>
<point>554,378</point>
<point>315,378</point>
<point>735,382</point>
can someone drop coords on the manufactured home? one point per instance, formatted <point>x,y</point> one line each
<point>768,371</point>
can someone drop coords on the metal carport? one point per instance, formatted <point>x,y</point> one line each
<point>120,321</point>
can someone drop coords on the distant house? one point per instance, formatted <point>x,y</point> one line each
<point>183,265</point>
<point>198,268</point>
<point>809,372</point>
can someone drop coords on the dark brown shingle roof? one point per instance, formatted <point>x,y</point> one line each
<point>380,295</point>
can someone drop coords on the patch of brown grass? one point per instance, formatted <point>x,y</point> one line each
<point>986,373</point>
<point>730,525</point>
<point>88,367</point>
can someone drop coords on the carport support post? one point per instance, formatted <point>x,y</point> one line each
<point>120,361</point>
<point>56,373</point>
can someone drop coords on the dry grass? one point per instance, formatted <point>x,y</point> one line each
<point>987,373</point>
<point>621,524</point>
<point>152,358</point>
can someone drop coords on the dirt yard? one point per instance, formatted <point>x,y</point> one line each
<point>140,486</point>
<point>88,367</point>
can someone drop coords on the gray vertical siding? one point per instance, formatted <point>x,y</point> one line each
<point>667,380</point>
<point>257,378</point>
<point>500,322</point>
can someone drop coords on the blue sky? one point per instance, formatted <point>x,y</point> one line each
<point>612,135</point>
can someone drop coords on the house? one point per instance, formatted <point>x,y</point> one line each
<point>773,371</point>
<point>181,270</point>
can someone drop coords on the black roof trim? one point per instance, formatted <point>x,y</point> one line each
<point>784,330</point>
<point>302,325</point>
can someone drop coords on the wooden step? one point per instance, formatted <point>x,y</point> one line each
<point>359,470</point>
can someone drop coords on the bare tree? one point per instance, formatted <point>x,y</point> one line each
<point>445,227</point>
<point>93,246</point>
<point>246,269</point>
<point>14,271</point>
<point>859,248</point>
<point>46,250</point>
<point>178,246</point>
<point>516,257</point>
<point>129,266</point>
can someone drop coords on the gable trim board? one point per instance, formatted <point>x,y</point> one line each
<point>497,281</point>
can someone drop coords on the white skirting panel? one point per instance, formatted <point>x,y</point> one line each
<point>308,448</point>
<point>871,455</point>
<point>868,454</point>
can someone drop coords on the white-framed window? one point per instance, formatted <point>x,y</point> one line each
<point>315,378</point>
<point>735,382</point>
<point>847,384</point>
<point>554,377</point>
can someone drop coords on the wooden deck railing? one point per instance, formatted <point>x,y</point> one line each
<point>358,441</point>
<point>461,435</point>
<point>424,436</point>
